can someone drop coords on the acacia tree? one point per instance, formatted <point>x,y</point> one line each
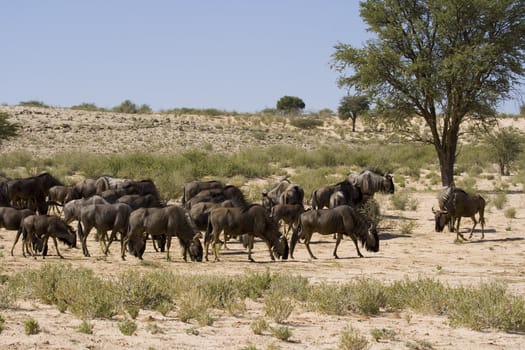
<point>8,130</point>
<point>506,145</point>
<point>443,61</point>
<point>351,106</point>
<point>290,104</point>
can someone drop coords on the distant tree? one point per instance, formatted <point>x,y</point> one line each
<point>290,104</point>
<point>506,145</point>
<point>7,130</point>
<point>442,61</point>
<point>144,109</point>
<point>351,106</point>
<point>126,107</point>
<point>326,112</point>
<point>86,107</point>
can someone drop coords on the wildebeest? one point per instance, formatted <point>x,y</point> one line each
<point>455,203</point>
<point>105,182</point>
<point>36,229</point>
<point>169,221</point>
<point>254,221</point>
<point>10,218</point>
<point>271,197</point>
<point>351,193</point>
<point>82,189</point>
<point>142,187</point>
<point>343,220</point>
<point>136,201</point>
<point>371,181</point>
<point>31,192</point>
<point>229,192</point>
<point>59,194</point>
<point>200,212</point>
<point>192,188</point>
<point>103,217</point>
<point>288,213</point>
<point>73,208</point>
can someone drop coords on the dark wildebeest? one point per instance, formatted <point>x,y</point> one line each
<point>31,192</point>
<point>142,187</point>
<point>191,189</point>
<point>73,208</point>
<point>82,189</point>
<point>272,197</point>
<point>455,203</point>
<point>371,181</point>
<point>114,194</point>
<point>59,194</point>
<point>4,195</point>
<point>11,218</point>
<point>36,230</point>
<point>169,221</point>
<point>200,212</point>
<point>351,193</point>
<point>136,201</point>
<point>103,217</point>
<point>229,192</point>
<point>288,213</point>
<point>343,220</point>
<point>254,221</point>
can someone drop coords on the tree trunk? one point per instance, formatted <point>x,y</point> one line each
<point>354,117</point>
<point>447,158</point>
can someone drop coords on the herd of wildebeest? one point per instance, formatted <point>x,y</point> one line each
<point>135,210</point>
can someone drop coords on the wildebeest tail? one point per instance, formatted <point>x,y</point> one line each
<point>295,237</point>
<point>209,229</point>
<point>313,200</point>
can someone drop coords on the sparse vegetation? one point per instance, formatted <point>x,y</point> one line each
<point>31,326</point>
<point>281,332</point>
<point>85,327</point>
<point>259,325</point>
<point>351,339</point>
<point>127,327</point>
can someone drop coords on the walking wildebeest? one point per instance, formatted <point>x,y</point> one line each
<point>252,220</point>
<point>343,220</point>
<point>169,221</point>
<point>103,217</point>
<point>455,203</point>
<point>371,181</point>
<point>36,230</point>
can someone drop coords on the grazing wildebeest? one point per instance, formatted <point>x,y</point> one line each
<point>254,221</point>
<point>229,192</point>
<point>371,181</point>
<point>192,188</point>
<point>31,192</point>
<point>103,217</point>
<point>36,230</point>
<point>288,213</point>
<point>136,201</point>
<point>343,220</point>
<point>455,203</point>
<point>169,221</point>
<point>321,196</point>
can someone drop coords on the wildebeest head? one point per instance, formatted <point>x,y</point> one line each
<point>441,218</point>
<point>195,249</point>
<point>137,246</point>
<point>281,248</point>
<point>372,241</point>
<point>65,233</point>
<point>388,184</point>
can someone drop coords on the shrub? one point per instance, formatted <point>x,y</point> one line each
<point>278,306</point>
<point>259,325</point>
<point>383,333</point>
<point>305,122</point>
<point>33,103</point>
<point>403,201</point>
<point>2,322</point>
<point>499,200</point>
<point>31,326</point>
<point>281,332</point>
<point>85,327</point>
<point>510,213</point>
<point>351,339</point>
<point>127,327</point>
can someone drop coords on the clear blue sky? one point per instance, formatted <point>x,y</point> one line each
<point>236,55</point>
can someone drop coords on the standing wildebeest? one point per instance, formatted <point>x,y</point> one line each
<point>83,189</point>
<point>31,192</point>
<point>73,208</point>
<point>36,229</point>
<point>103,217</point>
<point>104,183</point>
<point>371,181</point>
<point>351,193</point>
<point>200,212</point>
<point>11,218</point>
<point>253,220</point>
<point>343,220</point>
<point>142,187</point>
<point>288,213</point>
<point>136,201</point>
<point>169,221</point>
<point>455,203</point>
<point>191,189</point>
<point>59,194</point>
<point>271,197</point>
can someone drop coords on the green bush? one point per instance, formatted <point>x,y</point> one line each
<point>351,339</point>
<point>259,325</point>
<point>86,327</point>
<point>278,306</point>
<point>281,332</point>
<point>31,326</point>
<point>127,327</point>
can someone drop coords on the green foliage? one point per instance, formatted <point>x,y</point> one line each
<point>129,107</point>
<point>351,339</point>
<point>210,112</point>
<point>85,106</point>
<point>290,104</point>
<point>352,106</point>
<point>31,326</point>
<point>281,332</point>
<point>402,200</point>
<point>383,334</point>
<point>2,322</point>
<point>85,327</point>
<point>127,327</point>
<point>33,103</point>
<point>306,122</point>
<point>7,130</point>
<point>278,306</point>
<point>506,144</point>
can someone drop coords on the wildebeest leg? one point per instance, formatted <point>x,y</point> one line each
<point>16,240</point>
<point>473,227</point>
<point>459,234</point>
<point>337,242</point>
<point>112,237</point>
<point>84,239</point>
<point>56,247</point>
<point>168,245</point>
<point>307,244</point>
<point>356,246</point>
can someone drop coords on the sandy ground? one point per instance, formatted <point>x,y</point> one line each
<point>422,253</point>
